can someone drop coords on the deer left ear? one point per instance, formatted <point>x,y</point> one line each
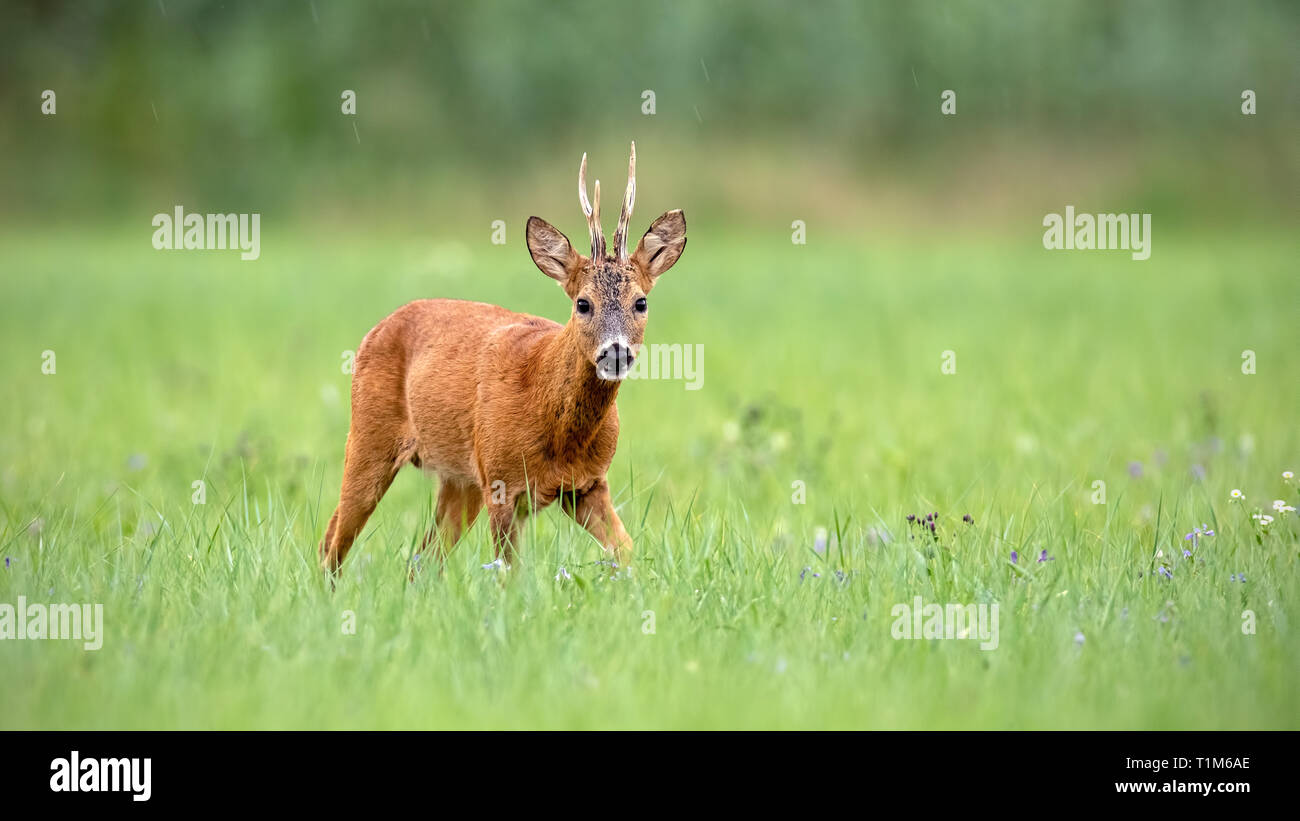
<point>662,245</point>
<point>551,250</point>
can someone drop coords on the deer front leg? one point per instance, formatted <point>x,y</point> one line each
<point>594,510</point>
<point>459,504</point>
<point>503,521</point>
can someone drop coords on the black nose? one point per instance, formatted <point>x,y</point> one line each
<point>616,356</point>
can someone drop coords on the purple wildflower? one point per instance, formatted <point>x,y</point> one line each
<point>1198,472</point>
<point>1015,557</point>
<point>911,517</point>
<point>6,562</point>
<point>1135,470</point>
<point>1166,572</point>
<point>1043,557</point>
<point>1195,536</point>
<point>968,519</point>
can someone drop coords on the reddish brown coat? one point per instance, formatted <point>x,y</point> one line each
<point>511,411</point>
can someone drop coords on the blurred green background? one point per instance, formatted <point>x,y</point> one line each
<point>468,111</point>
<point>821,361</point>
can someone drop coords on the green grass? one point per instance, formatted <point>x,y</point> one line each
<point>822,365</point>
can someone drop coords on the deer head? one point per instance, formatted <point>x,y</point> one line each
<point>608,291</point>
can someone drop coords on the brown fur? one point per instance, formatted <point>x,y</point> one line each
<point>507,409</point>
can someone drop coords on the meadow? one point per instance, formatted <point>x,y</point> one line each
<point>180,462</point>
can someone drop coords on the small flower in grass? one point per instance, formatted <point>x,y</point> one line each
<point>1237,577</point>
<point>968,519</point>
<point>1236,495</point>
<point>1079,638</point>
<point>1288,476</point>
<point>1015,557</point>
<point>1264,520</point>
<point>1282,507</point>
<point>563,575</point>
<point>1043,557</point>
<point>1135,470</point>
<point>1195,536</point>
<point>6,562</point>
<point>911,517</point>
<point>1165,572</point>
<point>1198,472</point>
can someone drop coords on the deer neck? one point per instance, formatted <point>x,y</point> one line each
<point>577,399</point>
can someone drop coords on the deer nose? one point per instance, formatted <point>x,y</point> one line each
<point>614,360</point>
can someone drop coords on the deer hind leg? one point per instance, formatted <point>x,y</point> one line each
<point>594,510</point>
<point>459,504</point>
<point>368,471</point>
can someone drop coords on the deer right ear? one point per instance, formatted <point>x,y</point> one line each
<point>661,245</point>
<point>551,250</point>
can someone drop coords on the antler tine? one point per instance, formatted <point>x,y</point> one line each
<point>629,199</point>
<point>591,213</point>
<point>582,188</point>
<point>598,244</point>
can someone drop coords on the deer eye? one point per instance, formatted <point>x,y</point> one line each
<point>584,307</point>
<point>641,305</point>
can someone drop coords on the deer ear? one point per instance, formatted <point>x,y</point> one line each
<point>661,245</point>
<point>551,250</point>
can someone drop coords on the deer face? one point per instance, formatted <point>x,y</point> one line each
<point>609,292</point>
<point>609,312</point>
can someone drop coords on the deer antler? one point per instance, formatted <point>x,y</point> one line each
<point>592,214</point>
<point>620,234</point>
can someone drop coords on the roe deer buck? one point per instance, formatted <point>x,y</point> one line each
<point>511,411</point>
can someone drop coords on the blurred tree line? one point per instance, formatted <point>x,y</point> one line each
<point>244,99</point>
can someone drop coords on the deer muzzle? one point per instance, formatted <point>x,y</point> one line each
<point>614,360</point>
